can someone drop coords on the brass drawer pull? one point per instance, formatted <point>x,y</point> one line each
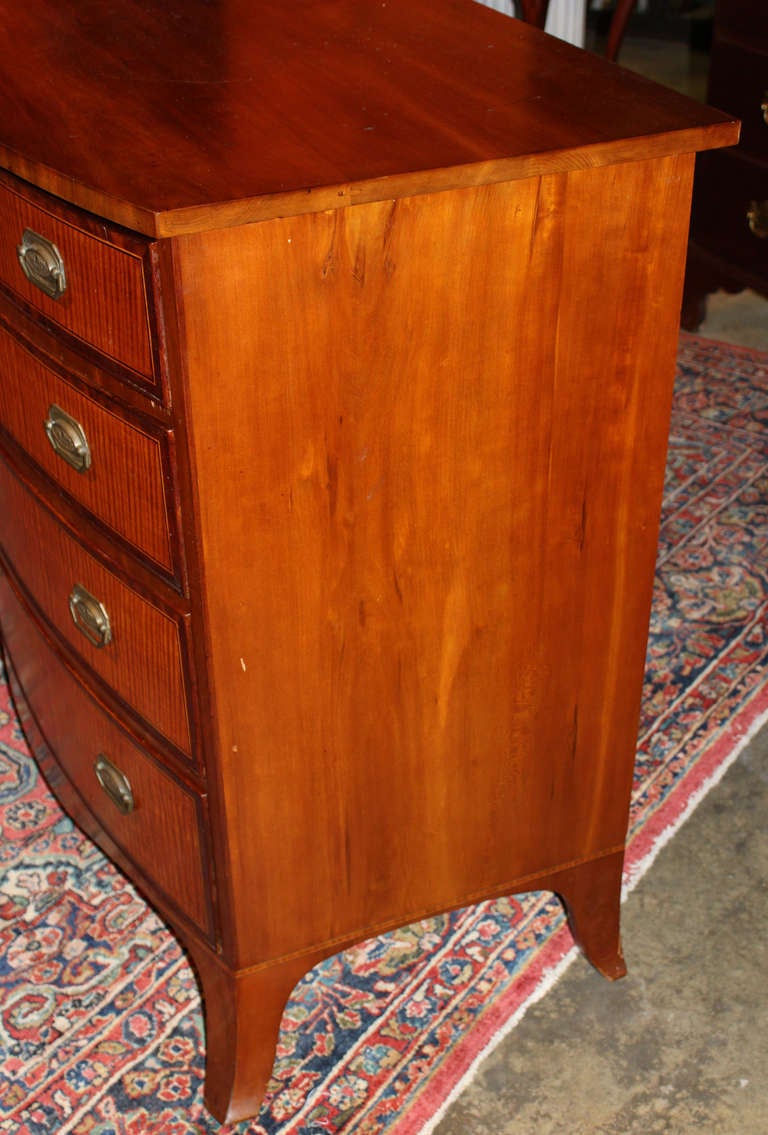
<point>757,218</point>
<point>42,264</point>
<point>68,439</point>
<point>90,616</point>
<point>115,783</point>
<point>764,108</point>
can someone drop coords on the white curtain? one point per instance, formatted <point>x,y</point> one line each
<point>565,18</point>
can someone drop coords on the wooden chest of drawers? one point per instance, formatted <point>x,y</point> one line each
<point>729,224</point>
<point>335,389</point>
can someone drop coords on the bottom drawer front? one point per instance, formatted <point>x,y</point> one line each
<point>155,822</point>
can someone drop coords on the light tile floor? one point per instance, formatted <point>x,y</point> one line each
<point>680,1045</point>
<point>740,318</point>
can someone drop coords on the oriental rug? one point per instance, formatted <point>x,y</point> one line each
<point>100,1024</point>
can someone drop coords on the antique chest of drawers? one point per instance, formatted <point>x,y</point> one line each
<point>729,224</point>
<point>336,354</point>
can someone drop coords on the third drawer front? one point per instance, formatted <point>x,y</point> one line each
<point>133,644</point>
<point>114,468</point>
<point>155,822</point>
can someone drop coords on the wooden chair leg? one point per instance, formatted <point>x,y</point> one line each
<point>535,12</point>
<point>618,26</point>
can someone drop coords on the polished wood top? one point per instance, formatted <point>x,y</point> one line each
<point>175,115</point>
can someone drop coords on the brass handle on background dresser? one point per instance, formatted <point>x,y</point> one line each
<point>764,108</point>
<point>42,264</point>
<point>115,783</point>
<point>90,616</point>
<point>68,439</point>
<point>757,218</point>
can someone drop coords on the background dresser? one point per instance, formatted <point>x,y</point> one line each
<point>336,345</point>
<point>729,224</point>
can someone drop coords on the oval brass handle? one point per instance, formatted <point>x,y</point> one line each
<point>42,264</point>
<point>115,783</point>
<point>90,616</point>
<point>764,108</point>
<point>757,218</point>
<point>68,439</point>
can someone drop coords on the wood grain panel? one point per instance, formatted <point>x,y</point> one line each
<point>105,303</point>
<point>161,837</point>
<point>125,485</point>
<point>448,419</point>
<point>143,663</point>
<point>197,115</point>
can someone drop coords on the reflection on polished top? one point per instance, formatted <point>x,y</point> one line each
<point>187,115</point>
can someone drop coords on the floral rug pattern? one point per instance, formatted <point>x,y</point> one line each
<point>100,1024</point>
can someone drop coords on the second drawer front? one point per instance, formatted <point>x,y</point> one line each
<point>105,301</point>
<point>160,832</point>
<point>123,484</point>
<point>143,657</point>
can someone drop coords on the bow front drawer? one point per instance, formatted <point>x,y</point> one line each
<point>133,806</point>
<point>133,644</point>
<point>115,467</point>
<point>92,286</point>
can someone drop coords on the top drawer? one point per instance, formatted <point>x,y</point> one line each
<point>92,286</point>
